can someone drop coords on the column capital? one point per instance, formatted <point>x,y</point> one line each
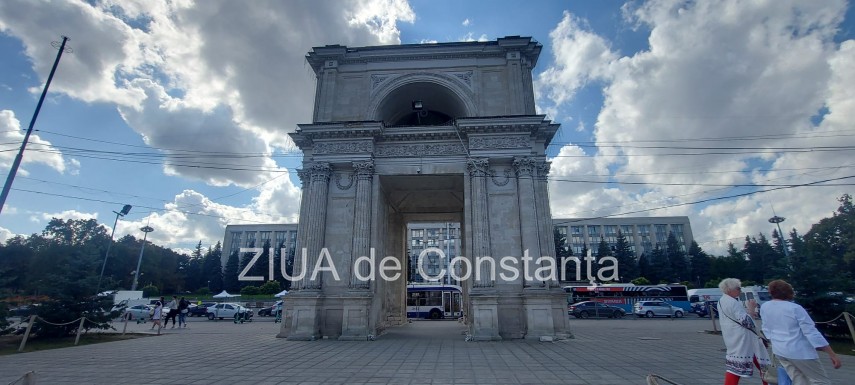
<point>305,177</point>
<point>364,169</point>
<point>525,166</point>
<point>478,166</point>
<point>321,172</point>
<point>543,168</point>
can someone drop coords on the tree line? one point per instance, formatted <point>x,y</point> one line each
<point>819,262</point>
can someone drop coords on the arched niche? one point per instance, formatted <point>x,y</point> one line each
<point>441,97</point>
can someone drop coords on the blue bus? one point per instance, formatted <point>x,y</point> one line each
<point>434,301</point>
<point>625,296</point>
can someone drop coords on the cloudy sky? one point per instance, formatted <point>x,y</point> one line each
<point>720,110</point>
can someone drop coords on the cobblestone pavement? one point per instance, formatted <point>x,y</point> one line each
<point>604,352</point>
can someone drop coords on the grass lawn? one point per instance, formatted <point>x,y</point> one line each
<point>10,344</point>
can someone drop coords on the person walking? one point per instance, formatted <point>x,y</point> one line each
<point>794,337</point>
<point>745,349</point>
<point>183,309</point>
<point>173,311</point>
<point>157,315</point>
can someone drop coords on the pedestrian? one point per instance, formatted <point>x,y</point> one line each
<point>183,309</point>
<point>794,337</point>
<point>173,311</point>
<point>156,315</point>
<point>745,348</point>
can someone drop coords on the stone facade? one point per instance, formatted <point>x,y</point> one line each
<point>434,132</point>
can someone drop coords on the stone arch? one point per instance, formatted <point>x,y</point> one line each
<point>442,95</point>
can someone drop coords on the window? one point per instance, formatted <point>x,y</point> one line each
<point>235,242</point>
<point>626,230</point>
<point>250,239</point>
<point>661,234</point>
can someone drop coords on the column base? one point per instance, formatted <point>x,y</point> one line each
<point>484,324</point>
<point>354,323</point>
<point>305,320</point>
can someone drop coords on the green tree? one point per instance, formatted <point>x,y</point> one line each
<point>699,264</point>
<point>660,266</point>
<point>269,287</point>
<point>562,253</point>
<point>677,259</point>
<point>230,274</point>
<point>764,262</point>
<point>212,268</point>
<point>733,265</point>
<point>627,264</point>
<point>644,269</point>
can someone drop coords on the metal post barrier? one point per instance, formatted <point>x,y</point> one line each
<point>27,333</point>
<point>79,329</point>
<point>848,318</point>
<point>126,316</point>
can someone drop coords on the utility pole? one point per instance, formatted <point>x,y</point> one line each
<point>146,229</point>
<point>20,156</point>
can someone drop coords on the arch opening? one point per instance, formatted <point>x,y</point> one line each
<point>439,105</point>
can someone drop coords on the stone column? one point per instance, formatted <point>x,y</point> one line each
<point>478,174</point>
<point>525,169</point>
<point>361,221</point>
<point>316,217</point>
<point>305,181</point>
<point>544,216</point>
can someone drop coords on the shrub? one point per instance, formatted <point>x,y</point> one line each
<point>249,290</point>
<point>270,287</point>
<point>641,281</point>
<point>203,291</point>
<point>150,291</point>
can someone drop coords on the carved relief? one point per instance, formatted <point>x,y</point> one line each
<point>478,167</point>
<point>341,147</point>
<point>377,79</point>
<point>525,166</point>
<point>339,184</point>
<point>501,182</point>
<point>410,150</point>
<point>479,143</point>
<point>466,77</point>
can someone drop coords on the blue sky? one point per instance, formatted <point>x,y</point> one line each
<point>666,107</point>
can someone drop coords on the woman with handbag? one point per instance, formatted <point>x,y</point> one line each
<point>745,349</point>
<point>794,337</point>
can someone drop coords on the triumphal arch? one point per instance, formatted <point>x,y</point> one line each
<point>424,132</point>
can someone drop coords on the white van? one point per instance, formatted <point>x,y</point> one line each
<point>758,293</point>
<point>699,297</point>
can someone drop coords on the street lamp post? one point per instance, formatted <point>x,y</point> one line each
<point>125,210</point>
<point>777,221</point>
<point>146,230</point>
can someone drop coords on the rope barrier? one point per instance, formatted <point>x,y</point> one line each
<point>835,318</point>
<point>55,324</point>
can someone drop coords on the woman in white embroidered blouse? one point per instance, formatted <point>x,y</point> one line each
<point>794,337</point>
<point>745,349</point>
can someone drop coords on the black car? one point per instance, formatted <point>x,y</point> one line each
<point>199,310</point>
<point>594,309</point>
<point>270,311</point>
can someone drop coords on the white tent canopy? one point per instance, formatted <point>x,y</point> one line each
<point>282,293</point>
<point>225,294</point>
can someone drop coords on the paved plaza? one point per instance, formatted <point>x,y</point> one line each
<point>604,352</point>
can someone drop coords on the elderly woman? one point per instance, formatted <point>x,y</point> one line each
<point>745,349</point>
<point>794,337</point>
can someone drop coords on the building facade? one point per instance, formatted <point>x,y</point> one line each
<point>279,236</point>
<point>435,266</point>
<point>642,233</point>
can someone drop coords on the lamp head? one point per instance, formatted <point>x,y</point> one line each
<point>418,105</point>
<point>125,210</point>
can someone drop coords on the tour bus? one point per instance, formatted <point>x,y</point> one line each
<point>625,295</point>
<point>434,301</point>
<point>758,293</point>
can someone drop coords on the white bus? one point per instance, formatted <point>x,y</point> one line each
<point>434,301</point>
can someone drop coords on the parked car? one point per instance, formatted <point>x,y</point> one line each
<point>139,312</point>
<point>199,310</point>
<point>702,309</point>
<point>652,309</point>
<point>594,309</point>
<point>227,310</point>
<point>271,310</point>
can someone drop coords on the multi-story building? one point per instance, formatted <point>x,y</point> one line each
<point>642,233</point>
<point>278,235</point>
<point>444,236</point>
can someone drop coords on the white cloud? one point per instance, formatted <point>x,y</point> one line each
<point>38,150</point>
<point>713,70</point>
<point>471,37</point>
<point>65,215</point>
<point>466,22</point>
<point>5,235</point>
